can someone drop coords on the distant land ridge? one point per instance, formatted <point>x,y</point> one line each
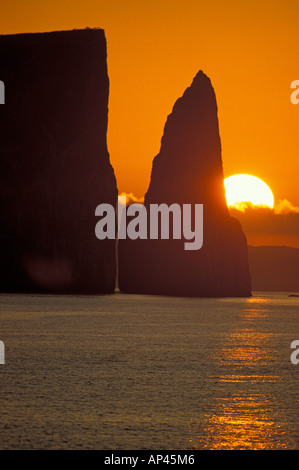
<point>274,268</point>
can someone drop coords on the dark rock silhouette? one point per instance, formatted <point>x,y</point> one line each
<point>54,163</point>
<point>188,170</point>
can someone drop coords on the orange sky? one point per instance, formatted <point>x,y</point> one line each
<point>248,48</point>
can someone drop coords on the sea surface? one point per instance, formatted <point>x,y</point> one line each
<point>137,372</point>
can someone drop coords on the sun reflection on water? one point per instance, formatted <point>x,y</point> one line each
<point>244,412</point>
<point>239,422</point>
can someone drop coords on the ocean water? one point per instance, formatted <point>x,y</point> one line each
<point>139,372</point>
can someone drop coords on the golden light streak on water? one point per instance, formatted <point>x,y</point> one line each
<point>242,416</point>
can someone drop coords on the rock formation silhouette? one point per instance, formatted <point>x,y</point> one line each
<point>188,170</point>
<point>54,163</point>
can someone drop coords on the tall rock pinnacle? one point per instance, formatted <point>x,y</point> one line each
<point>188,170</point>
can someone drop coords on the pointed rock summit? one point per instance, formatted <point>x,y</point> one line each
<point>188,170</point>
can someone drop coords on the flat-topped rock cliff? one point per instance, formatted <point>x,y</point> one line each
<point>54,163</point>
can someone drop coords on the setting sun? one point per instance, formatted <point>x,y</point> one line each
<point>247,189</point>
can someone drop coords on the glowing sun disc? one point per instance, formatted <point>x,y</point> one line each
<point>242,189</point>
